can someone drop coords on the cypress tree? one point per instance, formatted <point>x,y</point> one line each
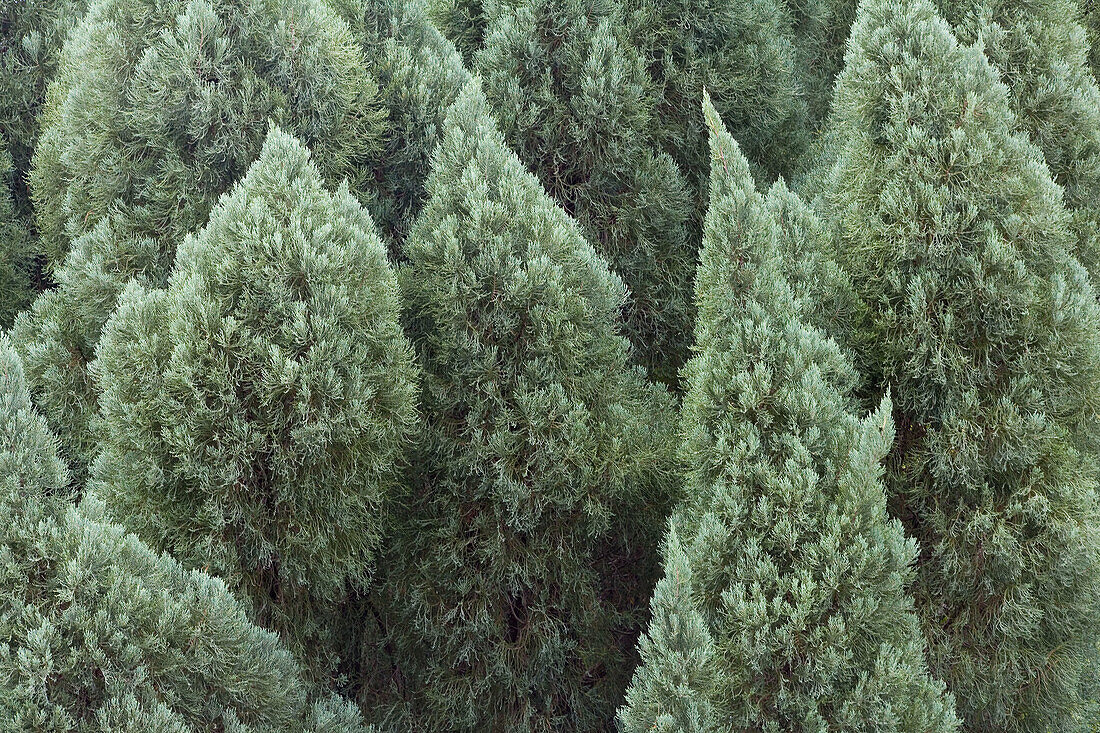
<point>545,460</point>
<point>419,75</point>
<point>809,250</point>
<point>32,33</point>
<point>984,326</point>
<point>100,633</point>
<point>1041,51</point>
<point>783,605</point>
<point>743,54</point>
<point>16,259</point>
<point>158,108</point>
<point>572,98</point>
<point>254,411</point>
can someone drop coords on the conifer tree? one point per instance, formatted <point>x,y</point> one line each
<point>464,22</point>
<point>571,96</point>
<point>984,326</point>
<point>159,107</point>
<point>1041,51</point>
<point>419,76</point>
<point>812,271</point>
<point>16,259</point>
<point>32,33</point>
<point>743,54</point>
<point>783,605</point>
<point>101,634</point>
<point>545,458</point>
<point>253,413</point>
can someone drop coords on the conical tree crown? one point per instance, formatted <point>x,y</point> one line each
<point>254,412</point>
<point>1041,51</point>
<point>197,81</point>
<point>795,576</point>
<point>545,459</point>
<point>158,108</point>
<point>589,132</point>
<point>17,263</point>
<point>100,633</point>
<point>984,326</point>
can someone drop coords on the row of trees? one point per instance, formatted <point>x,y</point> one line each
<point>368,391</point>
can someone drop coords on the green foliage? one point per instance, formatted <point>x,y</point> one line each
<point>196,82</point>
<point>32,33</point>
<point>101,634</point>
<point>743,54</point>
<point>1041,51</point>
<point>419,75</point>
<point>158,109</point>
<point>571,96</point>
<point>783,606</point>
<point>17,263</point>
<point>253,413</point>
<point>985,328</point>
<point>464,22</point>
<point>1090,19</point>
<point>820,33</point>
<point>545,464</point>
<point>57,337</point>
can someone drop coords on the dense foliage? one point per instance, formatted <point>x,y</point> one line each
<point>985,326</point>
<point>254,411</point>
<point>550,366</point>
<point>100,633</point>
<point>544,457</point>
<point>781,556</point>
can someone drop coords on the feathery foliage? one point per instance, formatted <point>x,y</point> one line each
<point>101,634</point>
<point>573,100</point>
<point>1041,51</point>
<point>158,109</point>
<point>743,54</point>
<point>985,328</point>
<point>545,462</point>
<point>32,33</point>
<point>254,412</point>
<point>783,606</point>
<point>17,262</point>
<point>419,75</point>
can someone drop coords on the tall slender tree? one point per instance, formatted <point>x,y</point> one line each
<point>101,634</point>
<point>985,327</point>
<point>573,99</point>
<point>783,605</point>
<point>545,463</point>
<point>255,412</point>
<point>158,109</point>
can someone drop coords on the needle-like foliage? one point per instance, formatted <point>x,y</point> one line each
<point>783,606</point>
<point>254,413</point>
<point>985,327</point>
